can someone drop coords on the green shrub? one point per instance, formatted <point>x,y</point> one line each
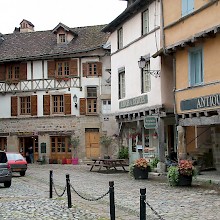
<point>123,153</point>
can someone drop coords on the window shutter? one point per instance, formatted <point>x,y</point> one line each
<point>73,68</point>
<point>14,106</point>
<point>2,72</point>
<point>51,66</point>
<point>82,104</point>
<point>23,71</point>
<point>46,104</point>
<point>99,68</point>
<point>67,101</point>
<point>184,7</point>
<point>34,105</point>
<point>190,6</point>
<point>85,69</point>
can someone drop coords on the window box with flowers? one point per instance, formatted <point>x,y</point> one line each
<point>181,175</point>
<point>140,169</point>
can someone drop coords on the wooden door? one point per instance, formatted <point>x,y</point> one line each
<point>92,144</point>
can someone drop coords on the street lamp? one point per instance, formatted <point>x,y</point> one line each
<point>75,100</point>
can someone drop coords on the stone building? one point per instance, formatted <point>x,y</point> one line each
<point>55,85</point>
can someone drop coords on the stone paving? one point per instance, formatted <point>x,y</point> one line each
<point>28,197</point>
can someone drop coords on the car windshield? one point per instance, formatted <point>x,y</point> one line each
<point>15,157</point>
<point>3,158</point>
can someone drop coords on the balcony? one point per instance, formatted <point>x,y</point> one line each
<point>39,85</point>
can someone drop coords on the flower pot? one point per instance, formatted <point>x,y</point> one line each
<point>140,173</point>
<point>68,161</point>
<point>64,161</point>
<point>75,161</point>
<point>184,180</point>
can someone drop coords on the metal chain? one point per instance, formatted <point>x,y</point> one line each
<point>89,199</point>
<point>57,192</point>
<point>154,211</point>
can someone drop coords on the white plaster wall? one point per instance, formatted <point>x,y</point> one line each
<point>37,70</point>
<point>5,106</point>
<point>128,58</point>
<point>134,48</point>
<point>132,28</point>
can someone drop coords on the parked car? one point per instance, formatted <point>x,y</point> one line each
<point>17,162</point>
<point>5,170</point>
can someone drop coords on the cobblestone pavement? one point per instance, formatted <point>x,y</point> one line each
<point>28,197</point>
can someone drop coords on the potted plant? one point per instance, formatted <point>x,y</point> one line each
<point>140,169</point>
<point>106,141</point>
<point>181,175</point>
<point>74,142</point>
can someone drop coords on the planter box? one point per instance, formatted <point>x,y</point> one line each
<point>184,180</point>
<point>75,161</point>
<point>139,173</point>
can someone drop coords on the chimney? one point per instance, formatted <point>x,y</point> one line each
<point>26,26</point>
<point>129,2</point>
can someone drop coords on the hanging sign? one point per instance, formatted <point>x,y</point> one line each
<point>150,122</point>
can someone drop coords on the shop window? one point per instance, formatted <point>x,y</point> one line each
<point>60,145</point>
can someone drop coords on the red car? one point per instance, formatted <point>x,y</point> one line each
<point>17,162</point>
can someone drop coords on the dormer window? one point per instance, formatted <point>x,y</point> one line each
<point>62,38</point>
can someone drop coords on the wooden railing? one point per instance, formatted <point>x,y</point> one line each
<point>39,85</point>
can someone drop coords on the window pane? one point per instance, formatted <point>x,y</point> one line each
<point>145,22</point>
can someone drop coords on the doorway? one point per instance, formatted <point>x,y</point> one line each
<point>92,138</point>
<point>26,142</point>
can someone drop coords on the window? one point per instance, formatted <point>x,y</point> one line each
<point>92,92</point>
<point>60,145</point>
<point>58,104</point>
<point>63,69</point>
<point>62,38</point>
<point>25,105</point>
<point>121,84</point>
<point>91,100</point>
<point>106,106</point>
<point>13,72</point>
<point>120,38</point>
<point>196,66</point>
<point>187,7</point>
<point>145,22</point>
<point>146,78</point>
<point>92,69</point>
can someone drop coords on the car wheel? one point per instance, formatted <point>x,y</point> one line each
<point>22,173</point>
<point>7,184</point>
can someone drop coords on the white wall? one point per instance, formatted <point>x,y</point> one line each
<point>134,48</point>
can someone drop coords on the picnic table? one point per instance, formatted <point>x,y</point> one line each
<point>108,164</point>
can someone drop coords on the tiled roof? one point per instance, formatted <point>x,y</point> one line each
<point>43,44</point>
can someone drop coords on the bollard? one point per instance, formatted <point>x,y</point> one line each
<point>68,191</point>
<point>112,200</point>
<point>51,184</point>
<point>143,204</point>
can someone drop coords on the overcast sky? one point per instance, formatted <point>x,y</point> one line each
<point>46,14</point>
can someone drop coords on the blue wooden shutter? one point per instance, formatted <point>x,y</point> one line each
<point>190,6</point>
<point>184,7</point>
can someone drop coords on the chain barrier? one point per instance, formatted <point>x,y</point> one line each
<point>89,199</point>
<point>57,192</point>
<point>154,211</point>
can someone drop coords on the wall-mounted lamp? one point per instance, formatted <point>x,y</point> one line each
<point>75,100</point>
<point>142,63</point>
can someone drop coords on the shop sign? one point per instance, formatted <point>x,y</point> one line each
<point>150,122</point>
<point>133,102</point>
<point>200,102</point>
